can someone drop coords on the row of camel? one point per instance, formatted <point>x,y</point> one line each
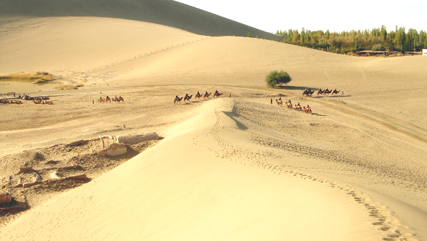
<point>108,99</point>
<point>7,101</point>
<point>43,102</point>
<point>188,97</point>
<point>27,97</point>
<point>309,92</point>
<point>307,109</point>
<point>36,100</point>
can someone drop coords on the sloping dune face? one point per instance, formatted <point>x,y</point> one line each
<point>164,12</point>
<point>186,188</point>
<point>80,44</point>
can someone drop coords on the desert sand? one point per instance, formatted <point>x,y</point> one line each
<point>231,168</point>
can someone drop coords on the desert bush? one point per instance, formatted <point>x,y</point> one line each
<point>277,78</point>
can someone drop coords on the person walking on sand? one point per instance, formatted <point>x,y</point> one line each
<point>271,101</point>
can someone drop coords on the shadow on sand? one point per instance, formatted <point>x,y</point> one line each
<point>232,115</point>
<point>331,96</point>
<point>317,114</point>
<point>288,87</point>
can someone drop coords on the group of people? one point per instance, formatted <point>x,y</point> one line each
<point>298,106</point>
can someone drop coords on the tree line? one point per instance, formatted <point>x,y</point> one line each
<point>377,39</point>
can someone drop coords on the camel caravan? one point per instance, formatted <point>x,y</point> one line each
<point>108,99</point>
<point>42,102</point>
<point>306,109</point>
<point>187,97</point>
<point>37,100</point>
<point>309,92</point>
<point>9,101</point>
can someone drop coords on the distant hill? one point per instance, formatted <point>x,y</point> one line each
<point>164,12</point>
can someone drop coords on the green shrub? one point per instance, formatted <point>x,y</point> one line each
<point>277,78</point>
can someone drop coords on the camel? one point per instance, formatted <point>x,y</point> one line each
<point>117,99</point>
<point>279,102</point>
<point>327,91</point>
<point>217,94</point>
<point>207,95</point>
<point>289,104</point>
<point>198,95</point>
<point>307,109</point>
<point>335,91</point>
<point>308,92</point>
<point>101,100</point>
<point>298,106</point>
<point>187,97</point>
<point>177,99</point>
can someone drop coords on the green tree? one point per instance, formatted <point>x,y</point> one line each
<point>383,34</point>
<point>358,40</point>
<point>277,78</point>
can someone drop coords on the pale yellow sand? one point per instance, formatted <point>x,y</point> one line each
<point>184,189</point>
<point>230,169</point>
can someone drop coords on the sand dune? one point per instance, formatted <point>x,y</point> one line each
<point>235,168</point>
<point>81,44</point>
<point>164,12</point>
<point>190,192</point>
